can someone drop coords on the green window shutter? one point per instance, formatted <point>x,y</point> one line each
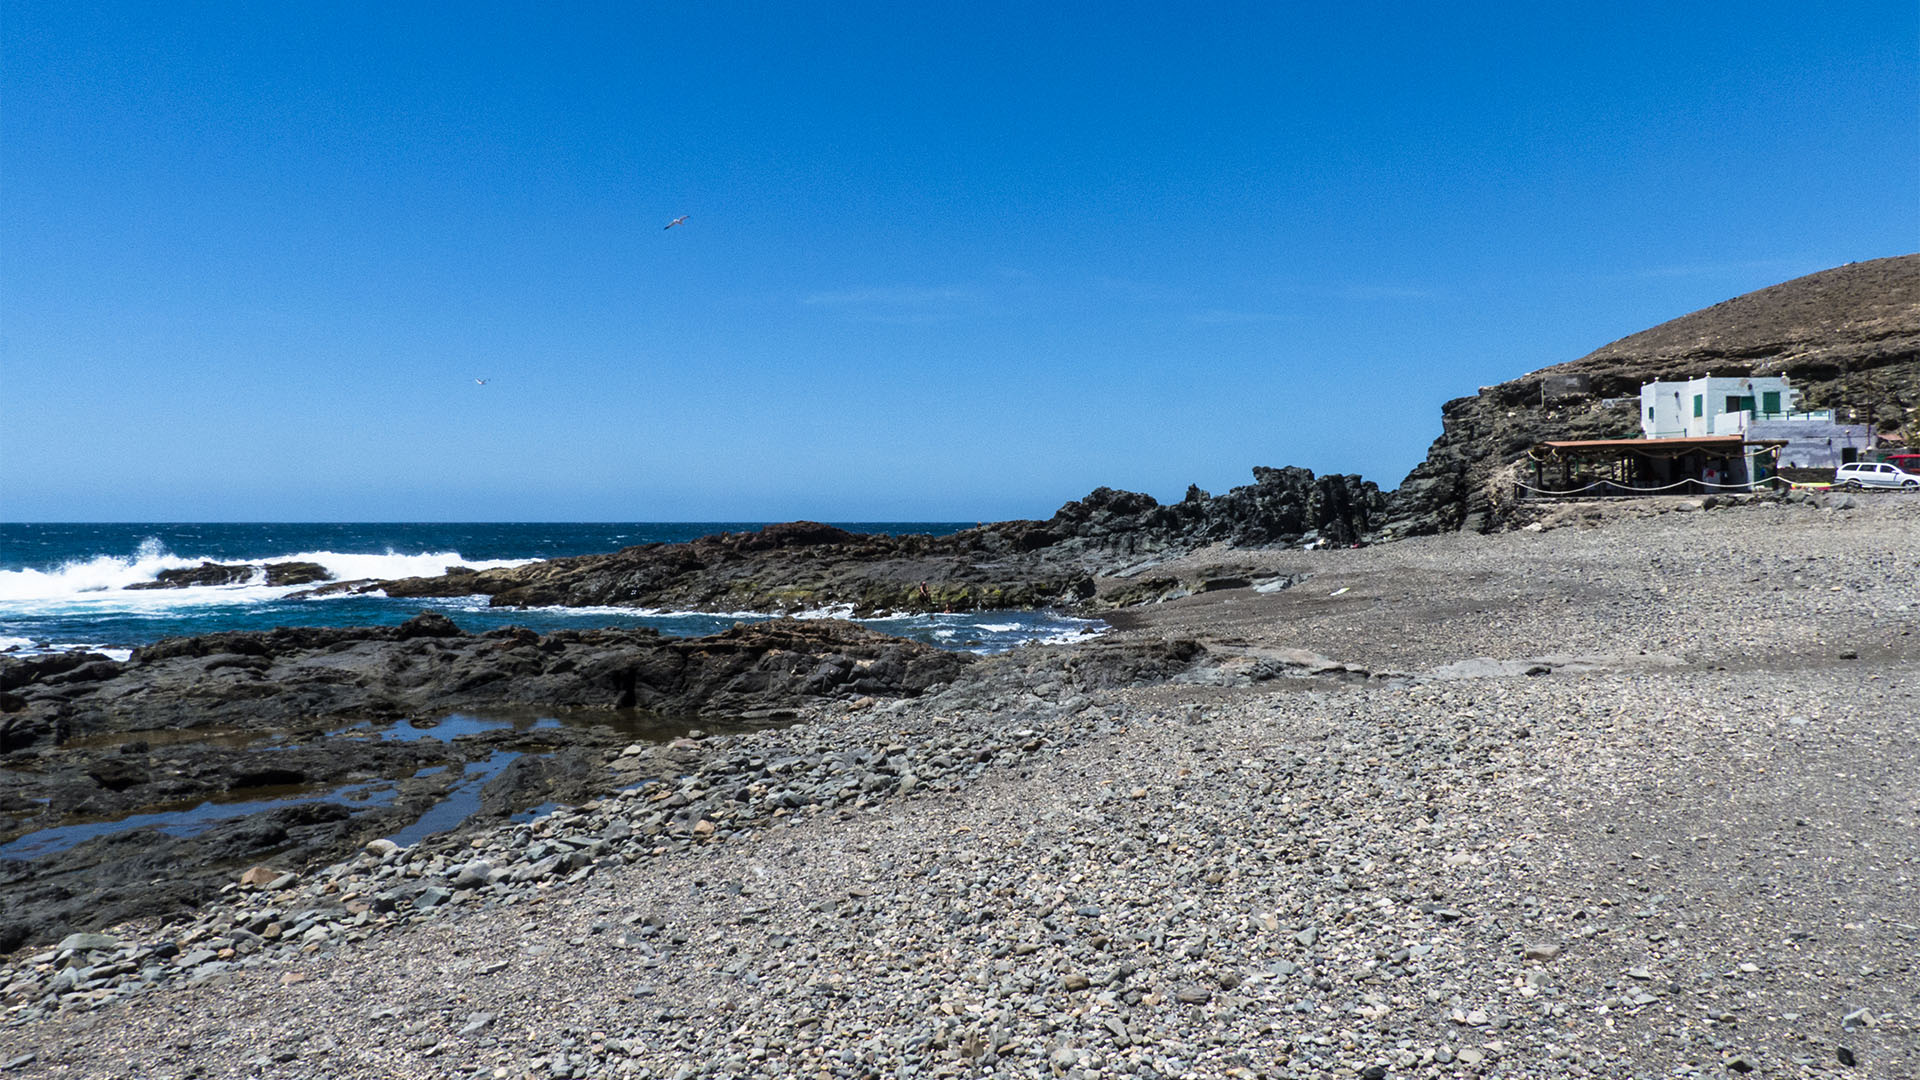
<point>1771,399</point>
<point>1699,403</point>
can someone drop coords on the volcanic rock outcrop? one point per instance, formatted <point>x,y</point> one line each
<point>1848,338</point>
<point>291,676</point>
<point>213,573</point>
<point>803,565</point>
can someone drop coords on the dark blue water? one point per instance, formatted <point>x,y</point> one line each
<point>65,585</point>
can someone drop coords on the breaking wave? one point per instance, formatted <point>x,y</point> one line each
<point>95,580</point>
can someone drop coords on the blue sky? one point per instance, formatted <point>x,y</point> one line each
<point>941,262</point>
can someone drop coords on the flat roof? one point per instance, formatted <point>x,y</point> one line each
<point>1671,446</point>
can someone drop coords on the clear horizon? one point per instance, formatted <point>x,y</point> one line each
<point>937,265</point>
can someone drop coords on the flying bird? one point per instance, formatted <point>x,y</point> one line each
<point>681,220</point>
<point>480,382</point>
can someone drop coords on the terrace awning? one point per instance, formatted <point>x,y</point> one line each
<point>1710,444</point>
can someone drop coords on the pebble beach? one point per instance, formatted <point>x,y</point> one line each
<point>1633,791</point>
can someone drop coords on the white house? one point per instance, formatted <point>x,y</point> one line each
<point>1759,407</point>
<point>1710,406</point>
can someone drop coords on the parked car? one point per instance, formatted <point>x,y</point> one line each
<point>1864,474</point>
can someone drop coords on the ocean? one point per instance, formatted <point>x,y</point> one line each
<point>65,586</point>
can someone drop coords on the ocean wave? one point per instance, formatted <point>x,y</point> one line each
<point>27,647</point>
<point>88,581</point>
<point>352,566</point>
<point>102,573</point>
<point>1071,635</point>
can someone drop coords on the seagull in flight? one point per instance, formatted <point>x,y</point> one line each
<point>681,220</point>
<point>480,382</point>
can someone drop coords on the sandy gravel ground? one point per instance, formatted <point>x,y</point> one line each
<point>1629,796</point>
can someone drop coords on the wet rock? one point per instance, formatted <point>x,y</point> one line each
<point>295,573</point>
<point>206,574</point>
<point>428,665</point>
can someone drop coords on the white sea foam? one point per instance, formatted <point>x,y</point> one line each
<point>831,611</point>
<point>8,644</point>
<point>101,583</point>
<point>98,574</point>
<point>1071,635</point>
<point>351,566</point>
<point>108,651</point>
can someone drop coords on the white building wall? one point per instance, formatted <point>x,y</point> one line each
<point>1668,409</point>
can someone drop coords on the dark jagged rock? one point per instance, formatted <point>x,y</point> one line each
<point>296,573</point>
<point>289,677</point>
<point>213,573</point>
<point>1849,338</point>
<point>571,775</point>
<point>1011,564</point>
<point>18,671</point>
<point>207,573</point>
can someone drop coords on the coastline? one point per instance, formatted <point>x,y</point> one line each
<point>1531,803</point>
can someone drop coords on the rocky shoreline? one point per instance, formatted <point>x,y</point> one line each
<point>807,566</point>
<point>266,717</point>
<point>186,724</point>
<point>1627,794</point>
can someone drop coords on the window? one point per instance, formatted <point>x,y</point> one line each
<point>1770,402</point>
<point>1739,404</point>
<point>1649,412</point>
<point>1699,403</point>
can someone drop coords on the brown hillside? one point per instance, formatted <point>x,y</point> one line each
<point>1848,319</point>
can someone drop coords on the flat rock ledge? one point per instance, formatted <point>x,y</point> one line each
<point>294,677</point>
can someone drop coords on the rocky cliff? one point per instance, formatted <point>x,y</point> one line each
<point>1849,338</point>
